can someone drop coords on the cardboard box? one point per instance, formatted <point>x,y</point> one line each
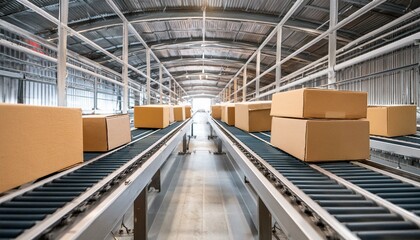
<point>105,132</point>
<point>322,140</point>
<point>229,114</point>
<point>320,103</point>
<point>171,113</point>
<point>223,112</point>
<point>179,113</point>
<point>187,112</point>
<point>253,116</point>
<point>216,111</point>
<point>392,121</point>
<point>37,141</point>
<point>151,116</point>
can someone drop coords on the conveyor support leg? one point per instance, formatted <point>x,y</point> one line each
<point>155,183</point>
<point>140,216</point>
<point>211,136</point>
<point>184,145</point>
<point>264,221</point>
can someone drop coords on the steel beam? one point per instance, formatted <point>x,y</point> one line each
<point>235,90</point>
<point>62,54</point>
<point>161,83</point>
<point>257,73</point>
<point>148,75</point>
<point>286,17</point>
<point>125,67</point>
<point>332,43</point>
<point>244,79</point>
<point>278,55</point>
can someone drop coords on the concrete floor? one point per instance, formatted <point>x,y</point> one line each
<point>200,203</point>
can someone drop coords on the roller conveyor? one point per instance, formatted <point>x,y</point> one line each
<point>392,213</point>
<point>55,199</point>
<point>404,145</point>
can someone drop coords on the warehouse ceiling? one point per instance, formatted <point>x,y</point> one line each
<point>202,57</point>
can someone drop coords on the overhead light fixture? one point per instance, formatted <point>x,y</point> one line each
<point>207,76</point>
<point>202,70</point>
<point>188,76</point>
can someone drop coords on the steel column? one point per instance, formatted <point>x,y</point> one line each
<point>229,92</point>
<point>170,91</point>
<point>264,221</point>
<point>62,54</point>
<point>95,94</point>
<point>140,216</point>
<point>278,55</point>
<point>235,90</point>
<point>244,84</point>
<point>125,67</point>
<point>332,43</point>
<point>160,85</point>
<point>148,75</point>
<point>257,73</point>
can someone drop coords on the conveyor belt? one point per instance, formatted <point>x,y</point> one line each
<point>362,216</point>
<point>24,211</point>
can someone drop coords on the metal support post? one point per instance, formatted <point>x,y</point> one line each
<point>95,95</point>
<point>62,54</point>
<point>184,145</point>
<point>264,221</point>
<point>219,146</point>
<point>125,67</point>
<point>211,136</point>
<point>160,85</point>
<point>170,93</point>
<point>244,84</point>
<point>140,216</point>
<point>155,183</point>
<point>235,90</point>
<point>332,44</point>
<point>278,55</point>
<point>257,74</point>
<point>148,75</point>
<point>229,92</point>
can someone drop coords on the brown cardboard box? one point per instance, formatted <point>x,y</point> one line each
<point>253,116</point>
<point>151,116</point>
<point>322,140</point>
<point>229,114</point>
<point>223,112</point>
<point>105,132</point>
<point>392,121</point>
<point>319,103</point>
<point>36,141</point>
<point>171,113</point>
<point>187,112</point>
<point>179,113</point>
<point>216,111</point>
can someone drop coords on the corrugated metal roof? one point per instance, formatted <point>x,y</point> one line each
<point>234,38</point>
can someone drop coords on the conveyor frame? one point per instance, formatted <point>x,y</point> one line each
<point>293,223</point>
<point>98,220</point>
